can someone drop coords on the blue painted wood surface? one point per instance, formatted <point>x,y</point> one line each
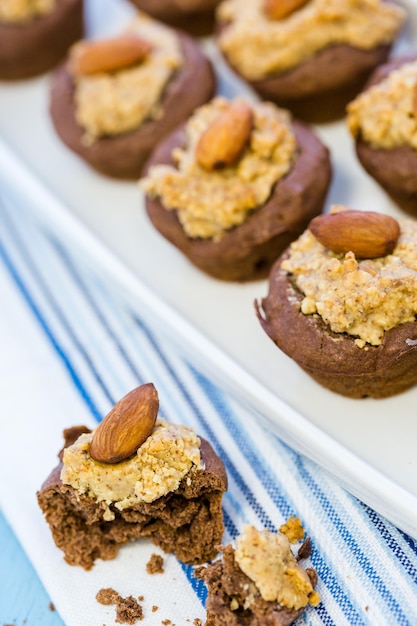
<point>23,599</point>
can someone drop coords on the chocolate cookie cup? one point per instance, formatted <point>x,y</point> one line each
<point>336,335</point>
<point>109,490</point>
<point>392,166</point>
<point>194,16</point>
<point>122,155</point>
<point>260,581</point>
<point>34,46</point>
<point>316,78</point>
<point>246,251</point>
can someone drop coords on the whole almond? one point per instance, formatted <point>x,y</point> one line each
<point>278,9</point>
<point>224,140</point>
<point>127,426</point>
<point>107,55</point>
<point>366,233</point>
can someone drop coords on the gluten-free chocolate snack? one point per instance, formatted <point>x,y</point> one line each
<point>108,490</point>
<point>35,36</point>
<point>347,314</point>
<point>383,122</point>
<point>235,185</point>
<point>115,99</point>
<point>259,581</point>
<point>311,57</point>
<point>194,16</point>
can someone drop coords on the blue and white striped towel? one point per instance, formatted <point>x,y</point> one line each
<point>71,346</point>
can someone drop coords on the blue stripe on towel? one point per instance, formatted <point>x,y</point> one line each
<point>392,544</point>
<point>78,279</point>
<point>43,323</point>
<point>351,542</point>
<point>43,287</point>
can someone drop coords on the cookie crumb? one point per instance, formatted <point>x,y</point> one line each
<point>293,529</point>
<point>155,564</point>
<point>198,622</point>
<point>128,610</point>
<point>154,608</point>
<point>51,606</point>
<point>305,550</point>
<point>107,596</point>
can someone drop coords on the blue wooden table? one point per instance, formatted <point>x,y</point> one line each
<point>23,599</point>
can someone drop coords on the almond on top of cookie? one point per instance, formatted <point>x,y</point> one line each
<point>235,184</point>
<point>116,97</point>
<point>342,302</point>
<point>311,57</point>
<point>135,476</point>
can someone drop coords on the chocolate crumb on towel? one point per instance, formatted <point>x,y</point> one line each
<point>155,564</point>
<point>128,610</point>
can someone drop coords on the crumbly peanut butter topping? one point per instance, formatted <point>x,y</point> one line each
<point>266,558</point>
<point>108,104</point>
<point>209,203</point>
<point>361,298</point>
<point>383,115</point>
<point>292,529</point>
<point>158,467</point>
<point>20,11</point>
<point>257,46</point>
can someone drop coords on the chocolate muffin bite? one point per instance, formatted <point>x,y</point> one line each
<point>135,476</point>
<point>310,56</point>
<point>35,35</point>
<point>342,302</point>
<point>383,123</point>
<point>257,581</point>
<point>114,99</point>
<point>193,16</point>
<point>235,185</point>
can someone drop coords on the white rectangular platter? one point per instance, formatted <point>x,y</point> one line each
<point>368,445</point>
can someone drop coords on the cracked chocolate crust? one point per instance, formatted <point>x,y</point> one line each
<point>187,522</point>
<point>393,168</point>
<point>247,252</point>
<point>123,156</point>
<point>333,359</point>
<point>38,45</point>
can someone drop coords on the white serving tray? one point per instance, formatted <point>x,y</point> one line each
<point>368,445</point>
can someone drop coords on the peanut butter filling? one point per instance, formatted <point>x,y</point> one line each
<point>157,468</point>
<point>20,11</point>
<point>266,558</point>
<point>363,298</point>
<point>384,115</point>
<point>257,46</point>
<point>111,103</point>
<point>211,202</point>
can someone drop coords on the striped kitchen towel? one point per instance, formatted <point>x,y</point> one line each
<point>71,346</point>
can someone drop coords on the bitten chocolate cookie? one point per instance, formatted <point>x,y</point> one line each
<point>115,99</point>
<point>257,582</point>
<point>35,37</point>
<point>193,16</point>
<point>310,56</point>
<point>135,476</point>
<point>383,122</point>
<point>342,303</point>
<point>235,185</point>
